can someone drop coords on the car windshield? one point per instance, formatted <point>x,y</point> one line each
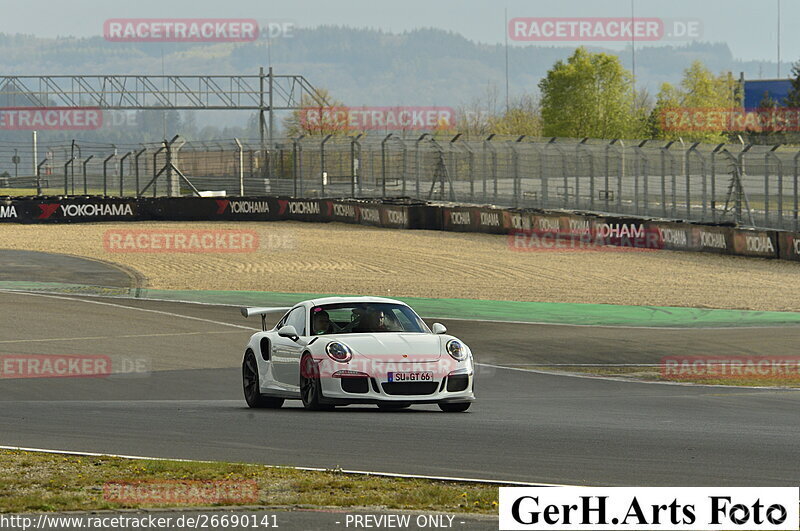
<point>364,317</point>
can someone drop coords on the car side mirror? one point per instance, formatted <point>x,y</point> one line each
<point>289,331</point>
<point>439,328</point>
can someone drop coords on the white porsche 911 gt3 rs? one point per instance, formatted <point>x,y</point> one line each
<point>355,350</point>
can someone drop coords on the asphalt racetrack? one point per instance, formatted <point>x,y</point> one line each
<point>179,395</point>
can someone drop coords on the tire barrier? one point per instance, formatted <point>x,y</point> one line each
<point>74,209</point>
<point>405,213</point>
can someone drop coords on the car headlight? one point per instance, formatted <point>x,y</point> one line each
<point>338,352</point>
<point>456,350</point>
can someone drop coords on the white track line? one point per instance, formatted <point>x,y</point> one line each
<point>127,336</point>
<point>305,468</point>
<point>537,323</point>
<point>171,314</point>
<point>635,381</point>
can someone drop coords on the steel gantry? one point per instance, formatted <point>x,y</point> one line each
<point>264,92</point>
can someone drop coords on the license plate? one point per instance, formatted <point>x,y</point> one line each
<point>416,376</point>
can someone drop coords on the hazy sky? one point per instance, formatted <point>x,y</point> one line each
<point>749,27</point>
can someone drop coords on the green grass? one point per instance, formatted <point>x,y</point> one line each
<point>539,312</point>
<point>42,482</point>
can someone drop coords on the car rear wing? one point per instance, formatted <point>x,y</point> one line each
<point>247,312</point>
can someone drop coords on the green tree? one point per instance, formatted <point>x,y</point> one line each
<point>523,117</point>
<point>793,97</point>
<point>698,110</point>
<point>317,116</point>
<point>588,95</point>
<point>771,125</point>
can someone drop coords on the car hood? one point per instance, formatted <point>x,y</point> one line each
<point>392,346</point>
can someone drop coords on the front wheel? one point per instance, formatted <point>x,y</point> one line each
<point>252,393</point>
<point>454,407</point>
<point>310,386</point>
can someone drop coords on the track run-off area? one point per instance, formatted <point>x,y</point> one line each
<point>176,392</point>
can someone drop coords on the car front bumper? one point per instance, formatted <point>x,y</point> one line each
<point>456,385</point>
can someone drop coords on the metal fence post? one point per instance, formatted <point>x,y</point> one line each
<point>404,167</point>
<point>297,155</point>
<point>737,186</point>
<point>535,147</point>
<point>581,146</point>
<point>136,168</point>
<point>452,172</point>
<point>155,169</point>
<point>795,161</point>
<point>693,149</point>
<point>515,176</point>
<point>607,177</point>
<point>742,193</point>
<point>417,163</point>
<point>544,171</point>
<point>353,170</point>
<point>105,174</point>
<point>714,182</point>
<point>168,166</point>
<point>323,177</point>
<point>515,165</point>
<point>471,165</point>
<point>240,159</point>
<point>174,181</point>
<point>85,183</point>
<point>383,164</point>
<point>620,174</point>
<point>72,168</point>
<point>122,172</point>
<point>564,176</point>
<point>664,178</point>
<point>66,175</point>
<point>488,143</point>
<point>771,155</point>
<point>39,175</point>
<point>644,170</point>
<point>445,173</point>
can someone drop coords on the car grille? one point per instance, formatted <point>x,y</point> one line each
<point>409,388</point>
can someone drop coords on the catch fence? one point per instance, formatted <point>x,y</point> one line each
<point>752,185</point>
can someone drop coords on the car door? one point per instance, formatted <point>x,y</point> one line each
<point>286,353</point>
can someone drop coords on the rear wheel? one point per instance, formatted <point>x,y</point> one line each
<point>252,393</point>
<point>393,406</point>
<point>454,407</point>
<point>310,386</point>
